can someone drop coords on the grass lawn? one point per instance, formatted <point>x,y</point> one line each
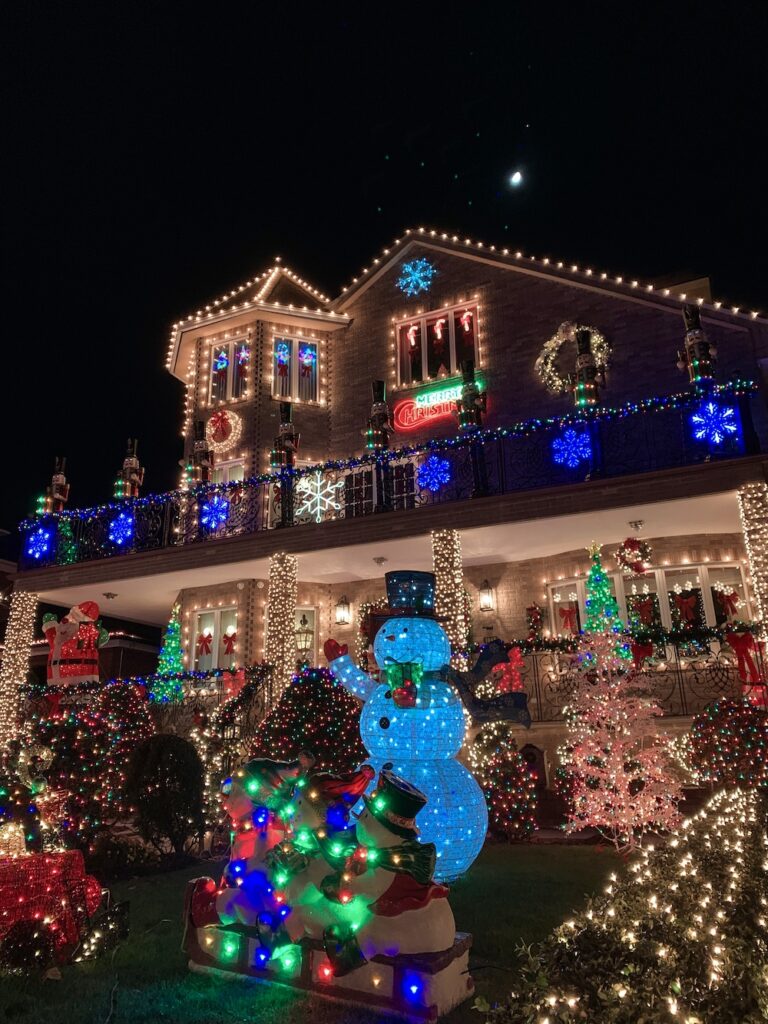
<point>512,893</point>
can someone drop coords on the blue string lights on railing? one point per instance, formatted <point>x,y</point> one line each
<point>571,448</point>
<point>43,535</point>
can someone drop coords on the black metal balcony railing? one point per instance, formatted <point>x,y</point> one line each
<point>637,438</point>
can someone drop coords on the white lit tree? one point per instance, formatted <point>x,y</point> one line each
<point>622,782</point>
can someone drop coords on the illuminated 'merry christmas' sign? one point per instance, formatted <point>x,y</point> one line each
<point>433,404</point>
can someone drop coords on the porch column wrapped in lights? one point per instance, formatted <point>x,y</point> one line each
<point>19,634</point>
<point>450,596</point>
<point>753,509</point>
<point>280,647</point>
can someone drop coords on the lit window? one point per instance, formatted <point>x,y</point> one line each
<point>228,472</point>
<point>229,370</point>
<point>294,369</point>
<point>435,345</point>
<point>216,641</point>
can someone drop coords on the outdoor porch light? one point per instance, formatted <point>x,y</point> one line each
<point>486,597</point>
<point>304,636</point>
<point>342,611</point>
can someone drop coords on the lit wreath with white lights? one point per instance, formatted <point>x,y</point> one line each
<point>546,364</point>
<point>223,430</point>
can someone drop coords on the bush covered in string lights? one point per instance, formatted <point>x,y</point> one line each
<point>164,783</point>
<point>509,785</point>
<point>314,714</point>
<point>729,744</point>
<point>680,937</point>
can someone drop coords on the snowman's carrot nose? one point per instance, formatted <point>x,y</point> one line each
<point>390,637</point>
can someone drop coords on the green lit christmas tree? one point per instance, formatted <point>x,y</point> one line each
<point>66,550</point>
<point>602,610</point>
<point>170,662</point>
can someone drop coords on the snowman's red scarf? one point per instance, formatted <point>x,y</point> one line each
<point>406,893</point>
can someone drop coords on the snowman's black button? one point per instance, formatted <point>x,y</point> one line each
<point>384,723</point>
<point>388,695</point>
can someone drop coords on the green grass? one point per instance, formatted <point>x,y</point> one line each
<point>512,893</point>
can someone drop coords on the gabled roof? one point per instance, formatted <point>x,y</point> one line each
<point>278,289</point>
<point>567,273</point>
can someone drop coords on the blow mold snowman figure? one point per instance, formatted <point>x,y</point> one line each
<point>413,723</point>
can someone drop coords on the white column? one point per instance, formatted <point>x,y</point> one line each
<point>753,509</point>
<point>450,595</point>
<point>280,646</point>
<point>19,634</point>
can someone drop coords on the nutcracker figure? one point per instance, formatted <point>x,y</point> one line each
<point>131,476</point>
<point>377,437</point>
<point>587,377</point>
<point>472,404</point>
<point>57,492</point>
<point>699,355</point>
<point>283,458</point>
<point>202,456</point>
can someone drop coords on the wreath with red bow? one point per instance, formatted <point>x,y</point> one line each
<point>633,557</point>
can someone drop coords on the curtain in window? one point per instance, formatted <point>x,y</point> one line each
<point>282,363</point>
<point>220,358</point>
<point>409,344</point>
<point>438,346</point>
<point>464,330</point>
<point>240,369</point>
<point>307,386</point>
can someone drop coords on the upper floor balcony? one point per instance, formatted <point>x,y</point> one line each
<point>671,432</point>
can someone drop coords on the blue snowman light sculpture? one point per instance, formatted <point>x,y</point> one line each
<point>415,721</point>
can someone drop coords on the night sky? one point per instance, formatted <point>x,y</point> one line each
<point>152,159</point>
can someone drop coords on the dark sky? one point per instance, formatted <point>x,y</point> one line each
<point>152,158</point>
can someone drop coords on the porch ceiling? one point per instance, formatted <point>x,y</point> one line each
<point>149,598</point>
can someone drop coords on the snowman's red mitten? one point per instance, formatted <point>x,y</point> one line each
<point>334,650</point>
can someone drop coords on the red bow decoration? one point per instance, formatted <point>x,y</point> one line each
<point>743,644</point>
<point>334,650</point>
<point>220,425</point>
<point>639,653</point>
<point>568,615</point>
<point>230,639</point>
<point>686,606</point>
<point>728,602</point>
<point>644,608</point>
<point>204,644</point>
<point>306,369</point>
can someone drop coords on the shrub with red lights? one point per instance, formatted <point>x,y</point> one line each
<point>317,715</point>
<point>509,785</point>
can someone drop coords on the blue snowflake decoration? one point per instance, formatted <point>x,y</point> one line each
<point>571,448</point>
<point>714,423</point>
<point>214,513</point>
<point>39,544</point>
<point>121,529</point>
<point>434,474</point>
<point>415,277</point>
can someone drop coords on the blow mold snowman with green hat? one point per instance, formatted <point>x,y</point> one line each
<point>414,721</point>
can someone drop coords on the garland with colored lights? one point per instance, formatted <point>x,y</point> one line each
<point>680,937</point>
<point>525,428</point>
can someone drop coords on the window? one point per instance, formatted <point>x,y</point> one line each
<point>676,598</point>
<point>229,370</point>
<point>294,369</point>
<point>216,642</point>
<point>228,472</point>
<point>437,344</point>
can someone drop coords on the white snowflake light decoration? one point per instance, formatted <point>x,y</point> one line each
<point>571,448</point>
<point>714,423</point>
<point>415,277</point>
<point>317,496</point>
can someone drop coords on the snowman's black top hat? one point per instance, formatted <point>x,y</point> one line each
<point>411,593</point>
<point>395,803</point>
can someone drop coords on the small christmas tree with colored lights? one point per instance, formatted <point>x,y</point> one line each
<point>622,781</point>
<point>509,785</point>
<point>170,662</point>
<point>602,610</point>
<point>317,715</point>
<point>729,744</point>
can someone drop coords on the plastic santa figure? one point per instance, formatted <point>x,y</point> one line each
<point>131,476</point>
<point>73,645</point>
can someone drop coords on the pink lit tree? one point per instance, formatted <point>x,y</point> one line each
<point>622,784</point>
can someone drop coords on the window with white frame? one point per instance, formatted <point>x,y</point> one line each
<point>672,597</point>
<point>436,344</point>
<point>294,369</point>
<point>229,369</point>
<point>215,639</point>
<point>228,472</point>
